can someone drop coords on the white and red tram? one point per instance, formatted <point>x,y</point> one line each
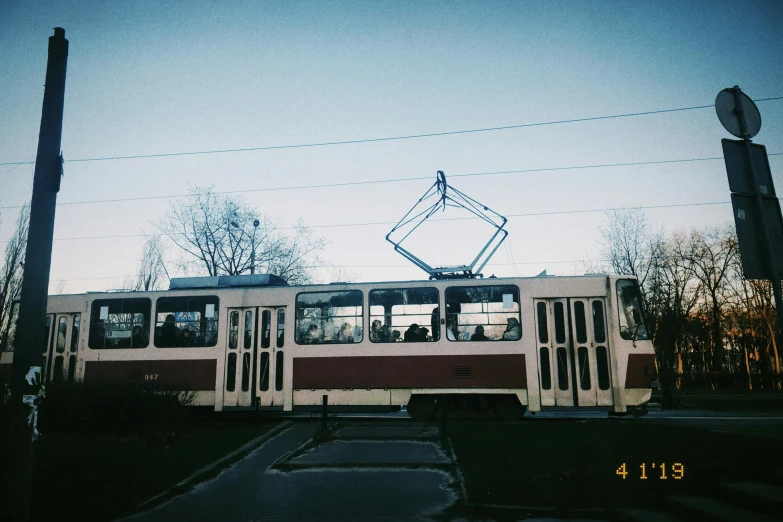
<point>255,342</point>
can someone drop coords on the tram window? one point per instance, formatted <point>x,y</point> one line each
<point>7,344</point>
<point>266,320</point>
<point>579,322</point>
<point>264,381</point>
<point>546,374</point>
<point>584,368</point>
<point>483,313</point>
<point>231,372</point>
<point>58,369</point>
<point>119,323</point>
<point>186,322</point>
<point>630,310</point>
<point>329,317</point>
<point>77,320</point>
<point>559,323</point>
<point>562,368</point>
<point>281,328</point>
<point>279,371</point>
<point>393,314</point>
<point>543,332</point>
<point>598,322</point>
<point>48,334</point>
<point>62,329</point>
<point>246,371</point>
<point>248,330</point>
<point>71,367</point>
<point>602,365</point>
<point>233,330</point>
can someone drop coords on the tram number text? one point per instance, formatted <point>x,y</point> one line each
<point>151,377</point>
<point>661,471</point>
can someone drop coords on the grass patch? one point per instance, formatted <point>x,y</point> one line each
<point>572,464</point>
<point>103,475</point>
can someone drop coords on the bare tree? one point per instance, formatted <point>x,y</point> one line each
<point>11,275</point>
<point>630,247</point>
<point>151,266</point>
<point>712,254</point>
<point>219,235</point>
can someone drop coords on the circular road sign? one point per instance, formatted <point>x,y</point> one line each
<point>725,106</point>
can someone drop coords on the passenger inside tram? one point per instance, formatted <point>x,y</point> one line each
<point>396,336</point>
<point>478,334</point>
<point>346,333</point>
<point>138,338</point>
<point>412,334</point>
<point>452,331</point>
<point>185,339</point>
<point>513,330</point>
<point>376,331</point>
<point>312,337</point>
<point>168,333</point>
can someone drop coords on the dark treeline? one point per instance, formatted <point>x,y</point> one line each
<point>711,327</point>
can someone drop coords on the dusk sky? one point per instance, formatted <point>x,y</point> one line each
<point>168,77</point>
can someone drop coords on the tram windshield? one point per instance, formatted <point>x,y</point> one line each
<point>631,317</point>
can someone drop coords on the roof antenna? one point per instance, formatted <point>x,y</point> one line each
<point>452,198</point>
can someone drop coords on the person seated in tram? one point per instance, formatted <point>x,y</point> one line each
<point>424,334</point>
<point>396,336</point>
<point>357,334</point>
<point>452,332</point>
<point>412,334</point>
<point>386,335</point>
<point>138,339</point>
<point>98,337</point>
<point>376,331</point>
<point>346,333</point>
<point>168,333</point>
<point>187,339</point>
<point>478,334</point>
<point>513,330</point>
<point>311,337</point>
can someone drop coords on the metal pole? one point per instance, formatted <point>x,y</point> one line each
<point>768,252</point>
<point>253,247</point>
<point>30,333</point>
<point>253,254</point>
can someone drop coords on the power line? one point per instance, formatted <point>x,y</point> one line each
<point>395,180</point>
<point>378,223</point>
<point>133,276</point>
<point>395,138</point>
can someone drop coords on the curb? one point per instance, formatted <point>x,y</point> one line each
<point>198,476</point>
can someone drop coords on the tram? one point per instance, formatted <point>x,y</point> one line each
<point>253,341</point>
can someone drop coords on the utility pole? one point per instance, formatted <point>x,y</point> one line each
<point>30,338</point>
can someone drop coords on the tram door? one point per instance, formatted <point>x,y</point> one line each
<point>271,355</point>
<point>573,353</point>
<point>240,355</point>
<point>62,345</point>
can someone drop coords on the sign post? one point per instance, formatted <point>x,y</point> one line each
<point>754,202</point>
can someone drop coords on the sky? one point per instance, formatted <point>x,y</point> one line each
<point>152,77</point>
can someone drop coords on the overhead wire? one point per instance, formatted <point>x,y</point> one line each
<point>392,180</point>
<point>131,276</point>
<point>378,223</point>
<point>398,137</point>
